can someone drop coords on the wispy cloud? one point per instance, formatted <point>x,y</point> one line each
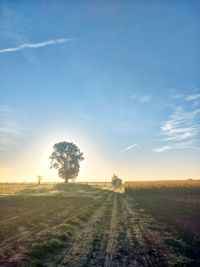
<point>187,97</point>
<point>181,145</point>
<point>192,97</point>
<point>128,148</point>
<point>37,45</point>
<point>144,99</point>
<point>12,129</point>
<point>181,130</point>
<point>141,99</point>
<point>178,96</point>
<point>162,149</point>
<point>181,125</point>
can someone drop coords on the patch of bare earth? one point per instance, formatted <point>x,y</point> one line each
<point>118,235</point>
<point>143,241</point>
<point>86,248</point>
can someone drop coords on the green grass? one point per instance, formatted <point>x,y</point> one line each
<point>41,249</point>
<point>50,214</point>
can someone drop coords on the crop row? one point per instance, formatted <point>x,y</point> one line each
<point>175,186</point>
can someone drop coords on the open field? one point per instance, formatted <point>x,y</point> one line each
<point>174,204</point>
<point>82,225</point>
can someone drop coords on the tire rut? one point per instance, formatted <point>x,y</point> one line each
<point>148,246</point>
<point>113,234</point>
<point>87,242</point>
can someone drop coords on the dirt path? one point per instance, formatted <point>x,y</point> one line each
<point>113,233</point>
<point>86,246</point>
<point>117,235</point>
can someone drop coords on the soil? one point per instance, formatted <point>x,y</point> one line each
<point>118,233</point>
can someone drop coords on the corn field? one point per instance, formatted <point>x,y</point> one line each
<point>175,186</point>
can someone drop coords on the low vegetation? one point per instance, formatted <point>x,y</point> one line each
<point>43,217</point>
<point>135,224</point>
<point>151,187</point>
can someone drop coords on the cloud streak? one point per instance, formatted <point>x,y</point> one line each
<point>181,130</point>
<point>37,45</point>
<point>162,149</point>
<point>141,99</point>
<point>191,97</point>
<point>12,130</point>
<point>128,148</point>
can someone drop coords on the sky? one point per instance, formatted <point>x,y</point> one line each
<point>118,78</point>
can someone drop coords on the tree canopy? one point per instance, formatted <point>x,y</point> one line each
<point>116,181</point>
<point>66,157</point>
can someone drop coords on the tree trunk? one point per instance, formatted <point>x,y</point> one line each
<point>66,178</point>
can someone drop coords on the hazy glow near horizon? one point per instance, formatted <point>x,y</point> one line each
<point>119,79</point>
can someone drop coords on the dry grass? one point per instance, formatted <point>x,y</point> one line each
<point>174,186</point>
<point>42,217</point>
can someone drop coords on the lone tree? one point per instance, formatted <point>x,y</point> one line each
<point>66,158</point>
<point>116,181</point>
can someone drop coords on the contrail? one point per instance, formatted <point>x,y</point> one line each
<point>128,148</point>
<point>37,45</point>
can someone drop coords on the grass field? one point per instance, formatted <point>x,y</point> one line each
<point>138,224</point>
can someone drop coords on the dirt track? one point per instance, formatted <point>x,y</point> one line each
<point>117,235</point>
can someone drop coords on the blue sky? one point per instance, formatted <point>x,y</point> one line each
<point>119,78</point>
